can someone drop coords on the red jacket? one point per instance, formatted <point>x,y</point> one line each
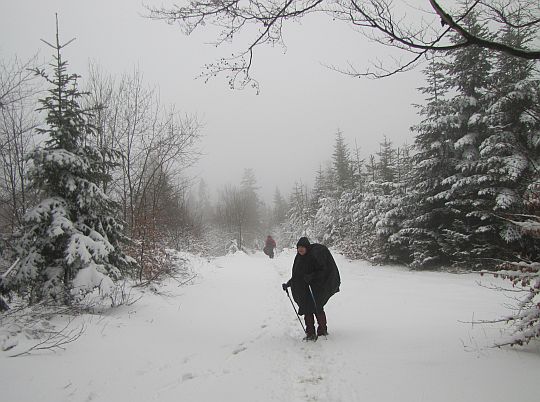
<point>270,242</point>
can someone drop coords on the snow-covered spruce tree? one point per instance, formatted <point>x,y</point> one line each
<point>320,189</point>
<point>333,223</point>
<point>440,230</point>
<point>342,164</point>
<point>327,221</point>
<point>510,154</point>
<point>394,246</point>
<point>525,276</point>
<point>354,241</point>
<point>69,242</point>
<point>253,232</point>
<point>299,220</point>
<point>383,191</point>
<point>279,210</point>
<point>434,161</point>
<point>494,168</point>
<point>497,162</point>
<point>365,212</point>
<point>386,165</point>
<point>349,219</point>
<point>332,196</point>
<point>358,239</point>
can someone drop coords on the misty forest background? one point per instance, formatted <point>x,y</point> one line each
<point>464,195</point>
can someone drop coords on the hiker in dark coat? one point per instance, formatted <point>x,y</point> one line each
<point>315,278</point>
<point>269,246</point>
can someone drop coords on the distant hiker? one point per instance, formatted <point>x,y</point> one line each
<point>315,278</point>
<point>269,246</point>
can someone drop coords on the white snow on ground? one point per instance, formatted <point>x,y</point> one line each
<point>232,335</point>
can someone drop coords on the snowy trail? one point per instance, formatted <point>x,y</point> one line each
<point>395,335</point>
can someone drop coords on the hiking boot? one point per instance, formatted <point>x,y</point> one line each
<point>321,321</point>
<point>322,331</point>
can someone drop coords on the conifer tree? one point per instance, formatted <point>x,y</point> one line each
<point>280,209</point>
<point>69,244</point>
<point>319,190</point>
<point>325,206</point>
<point>362,214</point>
<point>525,278</point>
<point>509,160</point>
<point>470,72</point>
<point>358,173</point>
<point>386,165</point>
<point>299,218</point>
<point>508,157</point>
<point>371,169</point>
<point>395,246</point>
<point>496,167</point>
<point>433,163</point>
<point>249,188</point>
<point>439,231</point>
<point>342,164</point>
<point>385,193</point>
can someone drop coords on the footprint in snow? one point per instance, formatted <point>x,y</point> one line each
<point>311,380</point>
<point>239,349</point>
<point>188,376</point>
<point>9,343</point>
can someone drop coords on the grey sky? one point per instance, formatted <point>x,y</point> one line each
<point>283,133</point>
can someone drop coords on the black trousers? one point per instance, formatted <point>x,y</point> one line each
<point>309,319</point>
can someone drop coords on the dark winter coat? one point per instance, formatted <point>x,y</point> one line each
<point>316,269</point>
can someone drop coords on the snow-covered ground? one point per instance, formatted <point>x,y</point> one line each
<point>232,335</point>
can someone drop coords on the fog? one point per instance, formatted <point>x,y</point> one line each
<point>284,133</point>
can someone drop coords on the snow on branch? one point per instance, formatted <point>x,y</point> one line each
<point>525,276</point>
<point>530,225</point>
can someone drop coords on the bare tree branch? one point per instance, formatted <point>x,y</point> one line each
<point>56,340</point>
<point>381,21</point>
<point>471,39</point>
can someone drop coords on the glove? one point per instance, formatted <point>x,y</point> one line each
<point>284,286</point>
<point>308,278</point>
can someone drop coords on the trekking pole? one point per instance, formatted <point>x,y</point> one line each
<point>312,297</point>
<point>287,291</point>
